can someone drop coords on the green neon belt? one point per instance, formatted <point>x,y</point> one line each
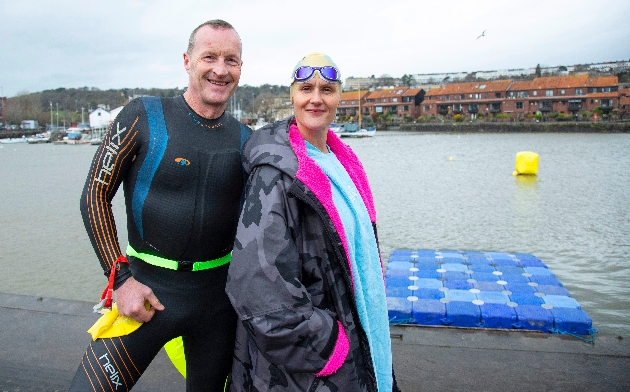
<point>179,265</point>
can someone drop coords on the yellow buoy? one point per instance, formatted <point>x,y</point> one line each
<point>526,163</point>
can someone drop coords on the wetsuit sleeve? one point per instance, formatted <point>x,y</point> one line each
<point>107,171</point>
<point>265,286</point>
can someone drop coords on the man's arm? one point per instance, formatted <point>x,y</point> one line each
<point>109,167</point>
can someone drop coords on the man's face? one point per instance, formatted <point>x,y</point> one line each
<point>214,67</point>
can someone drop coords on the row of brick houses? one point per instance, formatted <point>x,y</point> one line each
<point>400,102</point>
<point>561,94</point>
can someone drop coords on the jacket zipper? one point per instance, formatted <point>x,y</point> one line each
<point>367,357</point>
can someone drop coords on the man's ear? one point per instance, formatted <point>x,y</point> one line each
<point>186,61</point>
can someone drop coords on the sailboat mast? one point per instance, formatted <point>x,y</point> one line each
<point>360,122</point>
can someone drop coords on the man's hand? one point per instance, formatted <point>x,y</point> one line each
<point>131,298</point>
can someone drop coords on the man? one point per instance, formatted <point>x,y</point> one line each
<point>178,160</point>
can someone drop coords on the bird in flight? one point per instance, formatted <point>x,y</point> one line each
<point>482,34</point>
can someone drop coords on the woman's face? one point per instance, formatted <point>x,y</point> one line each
<point>315,103</point>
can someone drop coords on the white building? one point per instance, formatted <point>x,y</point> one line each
<point>99,118</point>
<point>437,78</point>
<point>115,112</point>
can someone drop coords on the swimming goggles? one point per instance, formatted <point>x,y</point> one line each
<point>305,73</point>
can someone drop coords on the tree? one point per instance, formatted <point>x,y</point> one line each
<point>375,117</point>
<point>386,80</point>
<point>538,71</point>
<point>407,80</point>
<point>24,106</point>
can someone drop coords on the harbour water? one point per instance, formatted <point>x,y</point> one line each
<point>432,191</point>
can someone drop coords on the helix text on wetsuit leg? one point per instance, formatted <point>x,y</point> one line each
<point>109,369</point>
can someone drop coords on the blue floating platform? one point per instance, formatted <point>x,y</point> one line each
<point>468,289</point>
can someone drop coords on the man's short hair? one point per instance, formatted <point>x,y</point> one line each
<point>217,24</point>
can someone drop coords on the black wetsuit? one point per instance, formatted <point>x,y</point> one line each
<point>183,183</point>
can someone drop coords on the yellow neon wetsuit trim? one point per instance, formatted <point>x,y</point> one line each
<point>172,264</point>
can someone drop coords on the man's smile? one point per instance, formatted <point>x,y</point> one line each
<point>217,82</point>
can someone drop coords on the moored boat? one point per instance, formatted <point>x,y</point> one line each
<point>363,132</point>
<point>39,138</point>
<point>13,140</point>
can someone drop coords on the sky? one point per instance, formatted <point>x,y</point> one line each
<point>139,43</point>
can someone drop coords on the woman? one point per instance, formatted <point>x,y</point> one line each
<point>306,277</point>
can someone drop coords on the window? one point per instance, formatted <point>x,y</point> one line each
<point>562,92</point>
<point>405,108</point>
<point>519,105</point>
<point>477,96</point>
<point>486,95</point>
<point>606,102</point>
<point>517,94</point>
<point>497,95</point>
<point>394,99</point>
<point>578,91</point>
<point>448,97</point>
<point>534,93</point>
<point>549,93</point>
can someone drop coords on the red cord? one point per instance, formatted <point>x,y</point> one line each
<point>108,293</point>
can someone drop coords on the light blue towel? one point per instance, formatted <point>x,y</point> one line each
<point>366,263</point>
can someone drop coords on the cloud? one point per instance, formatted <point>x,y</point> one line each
<point>72,43</point>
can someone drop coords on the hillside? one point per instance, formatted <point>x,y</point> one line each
<point>68,105</point>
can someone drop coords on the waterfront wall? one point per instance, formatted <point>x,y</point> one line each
<point>510,127</point>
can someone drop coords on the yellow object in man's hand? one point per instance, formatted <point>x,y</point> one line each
<point>111,324</point>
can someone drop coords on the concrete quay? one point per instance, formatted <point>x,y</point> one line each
<point>42,341</point>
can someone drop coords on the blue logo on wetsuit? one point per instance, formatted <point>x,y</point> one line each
<point>182,161</point>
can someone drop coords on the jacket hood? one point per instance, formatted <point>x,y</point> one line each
<point>276,145</point>
<point>270,146</point>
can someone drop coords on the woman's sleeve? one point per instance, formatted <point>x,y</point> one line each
<point>265,285</point>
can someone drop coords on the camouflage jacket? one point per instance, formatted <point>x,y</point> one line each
<point>290,279</point>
